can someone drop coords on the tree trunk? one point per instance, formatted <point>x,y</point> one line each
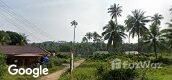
<point>138,45</point>
<point>71,61</point>
<point>154,42</point>
<point>116,21</point>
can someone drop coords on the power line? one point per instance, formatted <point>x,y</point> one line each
<point>16,25</point>
<point>21,19</point>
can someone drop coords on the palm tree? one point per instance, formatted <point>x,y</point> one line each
<point>89,36</point>
<point>156,19</point>
<point>115,11</point>
<point>135,24</point>
<point>167,33</point>
<point>114,34</point>
<point>73,23</point>
<point>154,38</point>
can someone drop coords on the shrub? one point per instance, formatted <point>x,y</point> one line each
<point>54,61</point>
<point>100,56</point>
<point>2,65</point>
<point>120,74</point>
<point>162,60</point>
<point>63,56</point>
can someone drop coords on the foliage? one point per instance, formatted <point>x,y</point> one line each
<point>100,56</point>
<point>17,39</point>
<point>163,60</point>
<point>62,56</point>
<point>115,11</point>
<point>4,38</point>
<point>135,24</point>
<point>119,74</point>
<point>114,34</point>
<point>89,35</point>
<point>12,38</point>
<point>153,37</point>
<point>86,71</point>
<point>2,65</point>
<point>84,40</point>
<point>54,61</point>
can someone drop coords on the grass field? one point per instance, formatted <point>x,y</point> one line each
<point>87,71</point>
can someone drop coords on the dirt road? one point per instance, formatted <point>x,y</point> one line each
<point>56,75</point>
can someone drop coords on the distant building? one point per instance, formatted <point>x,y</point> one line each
<point>131,52</point>
<point>23,55</point>
<point>64,53</point>
<point>100,52</point>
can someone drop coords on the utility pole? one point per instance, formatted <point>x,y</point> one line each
<point>73,23</point>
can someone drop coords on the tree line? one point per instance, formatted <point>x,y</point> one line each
<point>151,36</point>
<point>12,38</point>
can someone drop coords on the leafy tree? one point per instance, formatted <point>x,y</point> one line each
<point>84,40</point>
<point>17,39</point>
<point>96,37</point>
<point>4,38</point>
<point>114,34</point>
<point>135,24</point>
<point>89,35</point>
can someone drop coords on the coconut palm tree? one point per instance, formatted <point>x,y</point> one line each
<point>153,38</point>
<point>114,34</point>
<point>156,19</point>
<point>135,24</point>
<point>89,36</point>
<point>115,11</point>
<point>167,33</point>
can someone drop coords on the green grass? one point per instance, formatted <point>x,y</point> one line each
<point>165,73</point>
<point>55,68</point>
<point>86,71</point>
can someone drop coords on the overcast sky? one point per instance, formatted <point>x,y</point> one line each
<point>52,17</point>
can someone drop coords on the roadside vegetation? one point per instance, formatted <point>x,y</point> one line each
<point>154,45</point>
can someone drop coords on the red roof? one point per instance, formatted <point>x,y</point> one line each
<point>22,50</point>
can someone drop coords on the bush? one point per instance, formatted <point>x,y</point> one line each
<point>100,56</point>
<point>55,61</point>
<point>120,74</point>
<point>2,65</point>
<point>63,56</point>
<point>162,60</point>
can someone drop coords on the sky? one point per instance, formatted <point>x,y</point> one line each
<point>49,20</point>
